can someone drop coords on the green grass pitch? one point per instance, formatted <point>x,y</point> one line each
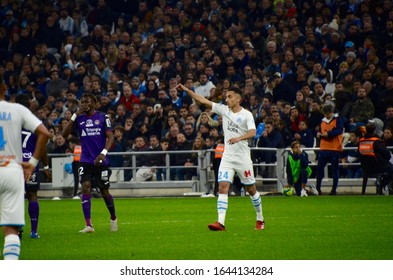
<point>316,228</point>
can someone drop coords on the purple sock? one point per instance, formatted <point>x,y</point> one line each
<point>86,207</point>
<point>34,212</point>
<point>111,207</point>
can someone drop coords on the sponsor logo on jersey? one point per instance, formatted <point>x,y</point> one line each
<point>89,123</point>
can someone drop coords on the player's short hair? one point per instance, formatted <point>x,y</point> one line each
<point>23,99</point>
<point>92,97</point>
<point>236,90</point>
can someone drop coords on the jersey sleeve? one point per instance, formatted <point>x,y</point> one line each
<point>107,123</point>
<point>30,121</point>
<point>218,108</point>
<point>250,121</point>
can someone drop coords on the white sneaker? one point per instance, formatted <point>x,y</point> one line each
<point>76,197</point>
<point>313,190</point>
<point>114,226</point>
<point>87,229</point>
<point>303,193</point>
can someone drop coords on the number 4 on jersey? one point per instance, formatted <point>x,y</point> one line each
<point>2,141</point>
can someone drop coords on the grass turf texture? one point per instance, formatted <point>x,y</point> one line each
<point>320,228</point>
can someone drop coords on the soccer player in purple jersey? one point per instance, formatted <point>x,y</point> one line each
<point>32,186</point>
<point>96,135</point>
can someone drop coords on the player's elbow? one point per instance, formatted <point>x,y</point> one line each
<point>42,131</point>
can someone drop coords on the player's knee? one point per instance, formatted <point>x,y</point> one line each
<point>223,187</point>
<point>86,187</point>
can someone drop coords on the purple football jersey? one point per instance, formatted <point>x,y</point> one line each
<point>92,132</point>
<point>29,140</point>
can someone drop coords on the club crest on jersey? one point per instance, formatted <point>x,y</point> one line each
<point>97,122</point>
<point>239,120</point>
<point>89,123</point>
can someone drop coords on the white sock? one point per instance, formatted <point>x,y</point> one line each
<point>257,202</point>
<point>11,247</point>
<point>222,206</point>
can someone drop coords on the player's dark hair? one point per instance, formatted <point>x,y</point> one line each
<point>92,97</point>
<point>23,99</point>
<point>236,90</point>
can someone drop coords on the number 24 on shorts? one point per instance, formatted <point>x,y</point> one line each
<point>223,175</point>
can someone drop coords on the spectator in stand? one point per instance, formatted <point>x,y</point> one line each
<point>301,103</point>
<point>388,120</point>
<point>388,136</point>
<point>286,135</point>
<point>119,137</point>
<point>161,172</point>
<point>56,84</point>
<point>352,156</point>
<point>121,114</point>
<point>189,131</point>
<point>362,110</point>
<point>304,136</point>
<point>61,145</point>
<point>128,98</point>
<point>140,145</point>
<point>295,117</point>
<point>282,90</point>
<point>136,87</point>
<point>180,159</point>
<point>52,35</point>
<point>152,89</point>
<point>205,118</point>
<point>197,145</point>
<point>174,96</point>
<point>205,86</point>
<point>270,138</point>
<point>138,115</point>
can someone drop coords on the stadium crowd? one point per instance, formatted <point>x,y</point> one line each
<point>288,57</point>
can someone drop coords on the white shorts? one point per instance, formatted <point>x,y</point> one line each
<point>12,191</point>
<point>241,165</point>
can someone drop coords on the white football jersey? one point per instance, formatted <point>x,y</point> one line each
<point>235,125</point>
<point>14,117</point>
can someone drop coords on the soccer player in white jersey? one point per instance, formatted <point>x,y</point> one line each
<point>13,172</point>
<point>238,126</point>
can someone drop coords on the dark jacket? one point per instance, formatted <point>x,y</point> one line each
<point>181,159</point>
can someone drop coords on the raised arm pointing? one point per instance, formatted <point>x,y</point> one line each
<point>198,98</point>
